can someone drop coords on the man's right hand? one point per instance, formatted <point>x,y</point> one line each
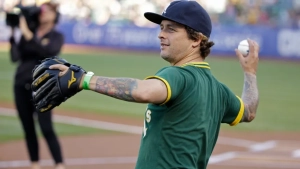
<point>250,62</point>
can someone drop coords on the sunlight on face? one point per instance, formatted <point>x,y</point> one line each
<point>174,41</point>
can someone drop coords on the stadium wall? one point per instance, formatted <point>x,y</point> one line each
<point>274,43</point>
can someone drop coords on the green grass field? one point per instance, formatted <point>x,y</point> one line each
<point>278,85</point>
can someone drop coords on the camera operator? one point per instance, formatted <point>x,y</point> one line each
<point>33,47</point>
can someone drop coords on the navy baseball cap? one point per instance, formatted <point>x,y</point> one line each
<point>185,12</point>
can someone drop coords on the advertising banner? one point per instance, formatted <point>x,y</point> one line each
<point>274,42</point>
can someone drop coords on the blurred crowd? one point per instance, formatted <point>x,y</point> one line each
<point>271,13</point>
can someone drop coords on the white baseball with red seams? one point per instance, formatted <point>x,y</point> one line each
<point>244,47</point>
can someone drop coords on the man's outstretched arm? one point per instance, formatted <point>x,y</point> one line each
<point>250,95</point>
<point>129,89</point>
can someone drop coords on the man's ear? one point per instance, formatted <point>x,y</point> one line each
<point>197,42</point>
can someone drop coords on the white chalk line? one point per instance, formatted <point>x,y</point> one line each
<point>85,122</point>
<point>122,128</point>
<point>125,128</point>
<point>296,154</point>
<point>138,130</point>
<point>262,146</point>
<point>254,146</point>
<point>259,165</point>
<point>222,157</point>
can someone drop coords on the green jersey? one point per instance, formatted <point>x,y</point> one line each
<point>181,133</point>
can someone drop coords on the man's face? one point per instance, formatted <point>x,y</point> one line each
<point>174,41</point>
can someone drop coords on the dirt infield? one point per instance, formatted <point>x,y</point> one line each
<point>119,151</point>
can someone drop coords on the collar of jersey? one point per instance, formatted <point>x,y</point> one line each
<point>197,64</point>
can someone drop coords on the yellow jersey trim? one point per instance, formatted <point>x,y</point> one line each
<point>206,67</point>
<point>241,113</point>
<point>197,64</point>
<point>169,92</point>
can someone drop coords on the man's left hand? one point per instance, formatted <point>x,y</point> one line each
<point>55,83</point>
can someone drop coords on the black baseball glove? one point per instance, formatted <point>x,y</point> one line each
<point>50,89</point>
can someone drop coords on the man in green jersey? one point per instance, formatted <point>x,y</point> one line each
<point>187,104</point>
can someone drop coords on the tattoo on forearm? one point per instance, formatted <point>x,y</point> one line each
<point>120,88</point>
<point>250,97</point>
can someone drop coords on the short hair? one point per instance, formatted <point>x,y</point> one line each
<point>205,44</point>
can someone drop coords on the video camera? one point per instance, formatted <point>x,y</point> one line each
<point>31,14</point>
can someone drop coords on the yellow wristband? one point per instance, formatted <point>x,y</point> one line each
<point>86,80</point>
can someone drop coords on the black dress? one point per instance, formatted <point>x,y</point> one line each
<point>28,54</point>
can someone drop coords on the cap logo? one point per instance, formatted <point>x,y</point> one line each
<point>165,10</point>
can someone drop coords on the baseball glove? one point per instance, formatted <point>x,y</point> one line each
<point>50,89</point>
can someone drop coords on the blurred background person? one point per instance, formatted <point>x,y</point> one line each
<point>32,47</point>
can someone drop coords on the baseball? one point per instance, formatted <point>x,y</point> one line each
<point>244,47</point>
